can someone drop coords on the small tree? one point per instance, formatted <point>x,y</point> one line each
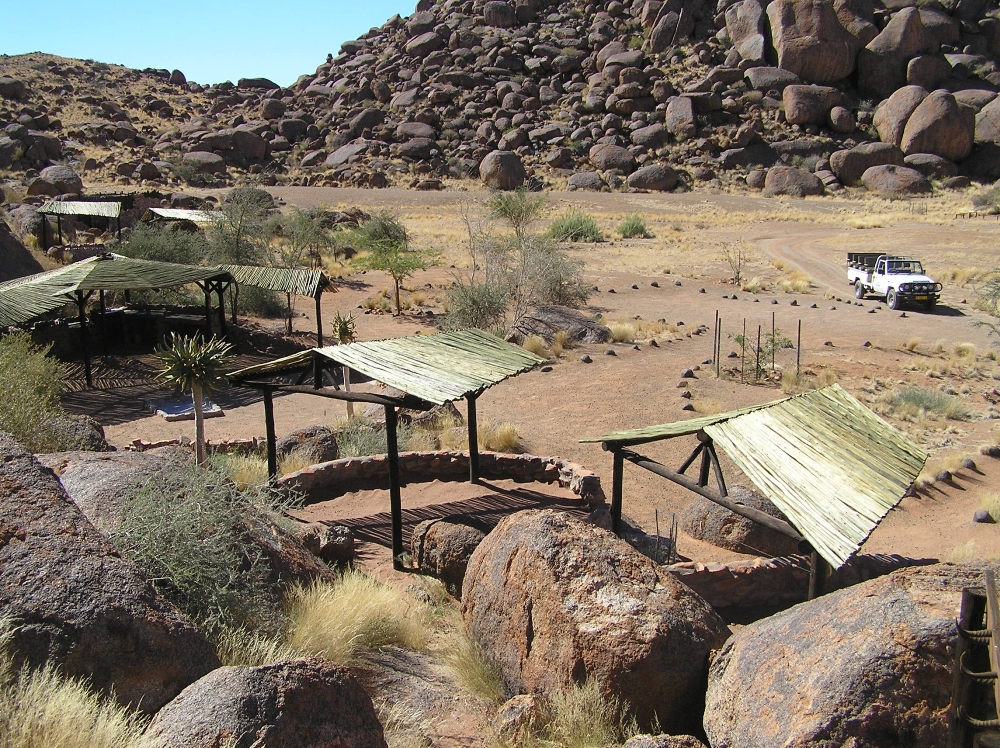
<point>518,208</point>
<point>388,245</point>
<point>195,366</point>
<point>345,331</point>
<point>303,245</point>
<point>737,256</point>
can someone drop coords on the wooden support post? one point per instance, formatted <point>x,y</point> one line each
<point>798,351</point>
<point>694,456</point>
<point>706,465</point>
<point>395,501</point>
<point>272,445</point>
<point>617,480</point>
<point>104,324</point>
<point>59,226</point>
<point>717,467</point>
<point>119,232</point>
<point>236,298</point>
<point>219,290</point>
<point>774,353</point>
<point>471,422</point>
<point>317,371</point>
<point>715,334</point>
<point>45,233</point>
<point>81,303</point>
<point>319,320</point>
<point>817,575</point>
<point>208,312</point>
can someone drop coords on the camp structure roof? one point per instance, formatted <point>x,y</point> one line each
<point>80,208</point>
<point>831,466</point>
<point>289,280</point>
<point>177,214</point>
<point>436,368</point>
<point>25,298</point>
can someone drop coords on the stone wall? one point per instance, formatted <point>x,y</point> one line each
<point>329,479</point>
<point>778,581</point>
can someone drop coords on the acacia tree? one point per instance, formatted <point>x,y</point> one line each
<point>240,235</point>
<point>304,240</point>
<point>196,367</point>
<point>388,249</point>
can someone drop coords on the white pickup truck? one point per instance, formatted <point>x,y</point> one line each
<point>900,280</point>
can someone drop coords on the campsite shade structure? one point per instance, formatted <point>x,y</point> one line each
<point>181,214</point>
<point>429,369</point>
<point>60,208</point>
<point>831,466</point>
<point>293,281</point>
<point>26,298</point>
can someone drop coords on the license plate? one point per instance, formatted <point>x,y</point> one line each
<point>920,298</point>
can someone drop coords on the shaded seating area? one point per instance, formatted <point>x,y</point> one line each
<point>110,210</point>
<point>829,464</point>
<point>291,281</point>
<point>25,299</point>
<point>429,370</point>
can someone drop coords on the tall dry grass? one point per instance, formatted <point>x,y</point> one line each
<point>341,621</point>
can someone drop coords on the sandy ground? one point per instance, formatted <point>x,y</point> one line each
<point>639,385</point>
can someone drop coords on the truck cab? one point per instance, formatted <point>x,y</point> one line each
<point>900,280</point>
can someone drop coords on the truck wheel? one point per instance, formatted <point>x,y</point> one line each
<point>859,290</point>
<point>891,300</point>
<point>931,303</point>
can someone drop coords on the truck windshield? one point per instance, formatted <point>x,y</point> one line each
<point>905,267</point>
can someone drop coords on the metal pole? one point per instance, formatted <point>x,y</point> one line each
<point>473,439</point>
<point>743,352</point>
<point>272,446</point>
<point>715,334</point>
<point>81,303</point>
<point>319,321</point>
<point>59,226</point>
<point>222,308</point>
<point>395,502</point>
<point>798,351</point>
<point>104,324</point>
<point>756,370</point>
<point>773,351</point>
<point>208,311</point>
<point>617,479</point>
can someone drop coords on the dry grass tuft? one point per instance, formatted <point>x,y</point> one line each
<point>912,344</point>
<point>965,350</point>
<point>498,437</point>
<point>991,503</point>
<point>754,285</point>
<point>918,403</point>
<point>622,332</point>
<point>938,347</point>
<point>963,553</point>
<point>795,282</point>
<point>961,277</point>
<point>244,470</point>
<point>404,726</point>
<point>581,717</point>
<point>474,671</point>
<point>706,407</point>
<point>535,344</point>
<point>341,621</point>
<point>808,380</point>
<point>242,647</point>
<point>44,709</point>
<point>295,461</point>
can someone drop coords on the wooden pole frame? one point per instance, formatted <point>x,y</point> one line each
<point>473,426</point>
<point>319,320</point>
<point>81,303</point>
<point>395,501</point>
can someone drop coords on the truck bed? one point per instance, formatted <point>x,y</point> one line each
<point>863,260</point>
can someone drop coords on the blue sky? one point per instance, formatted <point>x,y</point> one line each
<point>210,41</point>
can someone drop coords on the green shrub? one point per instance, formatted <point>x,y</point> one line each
<point>916,402</point>
<point>30,410</point>
<point>359,437</point>
<point>479,305</point>
<point>166,243</point>
<point>185,528</point>
<point>260,302</point>
<point>575,226</point>
<point>633,227</point>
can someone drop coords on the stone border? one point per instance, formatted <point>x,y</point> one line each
<point>327,480</point>
<point>779,581</point>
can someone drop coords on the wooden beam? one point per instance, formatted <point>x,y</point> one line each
<point>409,402</point>
<point>617,480</point>
<point>395,501</point>
<point>817,575</point>
<point>717,467</point>
<point>473,427</point>
<point>272,444</point>
<point>761,518</point>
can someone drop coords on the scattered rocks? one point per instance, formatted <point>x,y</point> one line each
<point>442,549</point>
<point>895,181</point>
<point>705,520</point>
<point>546,320</point>
<point>982,516</point>
<point>332,543</point>
<point>315,443</point>
<point>789,180</point>
<point>502,170</point>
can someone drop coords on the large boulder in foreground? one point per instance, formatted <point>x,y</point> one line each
<point>940,125</point>
<point>15,259</point>
<point>870,665</point>
<point>892,114</point>
<point>502,170</point>
<point>810,41</point>
<point>850,165</point>
<point>78,604</point>
<point>705,520</point>
<point>791,181</point>
<point>882,64</point>
<point>554,601</point>
<point>297,704</point>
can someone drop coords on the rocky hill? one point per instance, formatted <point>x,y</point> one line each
<point>644,94</point>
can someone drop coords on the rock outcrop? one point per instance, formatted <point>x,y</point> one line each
<point>296,704</point>
<point>554,601</point>
<point>869,665</point>
<point>705,520</point>
<point>443,549</point>
<point>78,604</point>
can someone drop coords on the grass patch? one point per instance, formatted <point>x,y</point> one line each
<point>795,282</point>
<point>963,553</point>
<point>244,470</point>
<point>474,671</point>
<point>965,350</point>
<point>535,344</point>
<point>43,709</point>
<point>575,226</point>
<point>991,503</point>
<point>579,717</point>
<point>341,621</point>
<point>706,407</point>
<point>754,285</point>
<point>622,332</point>
<point>916,403</point>
<point>633,227</point>
<point>498,437</point>
<point>403,726</point>
<point>912,344</point>
<point>245,647</point>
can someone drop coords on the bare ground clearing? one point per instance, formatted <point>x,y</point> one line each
<point>790,239</point>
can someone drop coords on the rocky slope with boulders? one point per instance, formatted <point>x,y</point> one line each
<point>787,96</point>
